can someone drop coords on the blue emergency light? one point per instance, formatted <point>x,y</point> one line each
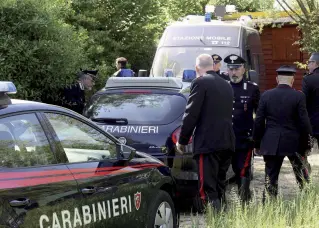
<point>208,17</point>
<point>189,75</point>
<point>168,73</point>
<point>7,87</point>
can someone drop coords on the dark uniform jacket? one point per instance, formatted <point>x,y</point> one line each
<point>209,110</point>
<point>74,98</point>
<point>310,87</point>
<point>246,99</point>
<point>223,75</point>
<point>281,121</point>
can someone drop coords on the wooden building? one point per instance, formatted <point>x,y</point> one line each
<point>280,48</point>
<point>278,38</point>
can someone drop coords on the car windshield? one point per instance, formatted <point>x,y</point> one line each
<point>178,59</point>
<point>137,108</point>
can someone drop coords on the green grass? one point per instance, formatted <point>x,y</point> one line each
<point>299,212</point>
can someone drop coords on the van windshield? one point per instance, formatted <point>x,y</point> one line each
<point>178,59</point>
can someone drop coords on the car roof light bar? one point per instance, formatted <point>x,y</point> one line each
<point>138,82</point>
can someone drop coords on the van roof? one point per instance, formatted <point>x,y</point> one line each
<point>204,34</point>
<point>235,24</point>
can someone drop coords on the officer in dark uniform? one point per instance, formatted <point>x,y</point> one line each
<point>209,111</point>
<point>310,87</point>
<point>217,65</point>
<point>246,99</point>
<point>74,95</point>
<point>122,70</point>
<point>281,121</point>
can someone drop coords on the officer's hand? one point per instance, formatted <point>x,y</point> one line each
<point>180,148</point>
<point>257,152</point>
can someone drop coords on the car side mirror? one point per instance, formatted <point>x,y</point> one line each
<point>253,76</point>
<point>125,152</point>
<point>142,73</point>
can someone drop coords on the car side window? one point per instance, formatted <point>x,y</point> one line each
<point>80,141</point>
<point>23,142</point>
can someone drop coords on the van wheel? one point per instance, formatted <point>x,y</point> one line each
<point>162,212</point>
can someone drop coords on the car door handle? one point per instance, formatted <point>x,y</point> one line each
<point>88,190</point>
<point>20,202</point>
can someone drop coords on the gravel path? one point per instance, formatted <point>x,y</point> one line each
<point>287,186</point>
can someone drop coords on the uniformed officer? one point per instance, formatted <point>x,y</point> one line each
<point>209,111</point>
<point>246,98</point>
<point>310,87</point>
<point>122,70</point>
<point>217,65</point>
<point>281,121</point>
<point>74,95</point>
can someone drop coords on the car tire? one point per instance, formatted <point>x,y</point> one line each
<point>162,204</point>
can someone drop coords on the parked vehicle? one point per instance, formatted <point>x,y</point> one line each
<point>146,114</point>
<point>59,169</point>
<point>182,42</point>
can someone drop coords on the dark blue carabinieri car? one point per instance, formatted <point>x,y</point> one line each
<point>59,169</point>
<point>146,114</point>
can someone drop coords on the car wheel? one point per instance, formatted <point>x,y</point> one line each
<point>162,212</point>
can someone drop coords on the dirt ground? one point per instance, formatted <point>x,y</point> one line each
<point>287,185</point>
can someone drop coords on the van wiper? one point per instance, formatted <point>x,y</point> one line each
<point>119,121</point>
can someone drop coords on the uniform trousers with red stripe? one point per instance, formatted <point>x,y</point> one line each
<point>241,164</point>
<point>212,169</point>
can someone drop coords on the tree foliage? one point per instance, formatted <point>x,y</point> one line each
<point>38,51</point>
<point>180,8</point>
<point>43,43</point>
<point>247,5</point>
<point>119,28</point>
<point>306,14</point>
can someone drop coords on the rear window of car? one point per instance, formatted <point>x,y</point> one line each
<point>137,108</point>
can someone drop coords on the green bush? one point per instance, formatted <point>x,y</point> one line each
<point>38,51</point>
<point>120,28</point>
<point>301,211</point>
<point>310,38</point>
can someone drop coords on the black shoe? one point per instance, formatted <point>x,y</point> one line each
<point>244,189</point>
<point>216,205</point>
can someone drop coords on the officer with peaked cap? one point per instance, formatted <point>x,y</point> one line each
<point>217,65</point>
<point>281,121</point>
<point>92,73</point>
<point>246,98</point>
<point>74,95</point>
<point>310,87</point>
